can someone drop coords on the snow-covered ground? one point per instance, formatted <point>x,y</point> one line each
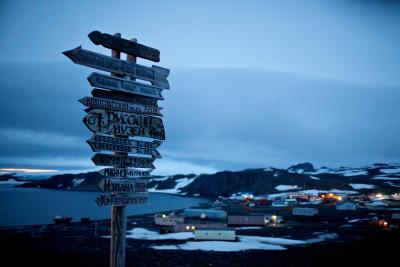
<point>142,233</point>
<point>77,181</point>
<point>391,171</point>
<point>384,177</point>
<point>244,242</point>
<point>11,182</point>
<point>376,203</point>
<point>321,237</point>
<point>349,173</point>
<point>285,187</point>
<point>180,183</point>
<point>362,186</point>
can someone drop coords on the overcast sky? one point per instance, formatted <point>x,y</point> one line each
<point>253,83</point>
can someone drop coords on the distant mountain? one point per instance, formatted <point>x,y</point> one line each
<point>377,177</point>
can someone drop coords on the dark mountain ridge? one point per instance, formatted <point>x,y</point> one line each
<point>377,177</point>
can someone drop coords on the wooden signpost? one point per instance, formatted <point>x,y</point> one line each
<point>121,200</point>
<point>122,161</point>
<point>126,46</point>
<point>114,185</point>
<point>100,103</point>
<point>156,75</point>
<point>104,143</point>
<point>121,109</point>
<point>124,173</point>
<point>123,123</point>
<point>117,84</point>
<point>125,97</point>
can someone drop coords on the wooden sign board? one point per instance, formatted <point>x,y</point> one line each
<point>121,199</point>
<point>156,75</point>
<point>99,146</point>
<point>94,102</point>
<point>123,123</point>
<point>112,185</point>
<point>122,161</point>
<point>122,85</point>
<point>124,173</point>
<point>107,143</point>
<point>126,142</point>
<point>124,97</point>
<point>125,46</point>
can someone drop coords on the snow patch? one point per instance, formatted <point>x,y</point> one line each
<point>244,243</point>
<point>285,187</point>
<point>11,182</point>
<point>390,171</point>
<point>77,181</point>
<point>142,233</point>
<point>362,186</point>
<point>376,203</point>
<point>383,177</point>
<point>160,179</point>
<point>322,237</point>
<point>349,173</point>
<point>180,183</point>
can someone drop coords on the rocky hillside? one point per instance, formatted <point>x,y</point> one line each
<point>377,177</point>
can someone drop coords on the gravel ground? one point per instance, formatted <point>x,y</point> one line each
<point>76,245</point>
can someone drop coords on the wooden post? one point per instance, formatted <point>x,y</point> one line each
<point>118,215</point>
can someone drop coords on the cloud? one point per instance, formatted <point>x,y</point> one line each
<point>170,167</point>
<point>27,136</point>
<point>215,119</point>
<point>53,162</point>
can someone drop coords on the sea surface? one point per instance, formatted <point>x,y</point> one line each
<point>30,206</point>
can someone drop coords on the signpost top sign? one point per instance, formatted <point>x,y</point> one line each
<point>156,75</point>
<point>125,46</point>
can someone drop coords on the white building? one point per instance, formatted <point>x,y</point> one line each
<point>215,234</point>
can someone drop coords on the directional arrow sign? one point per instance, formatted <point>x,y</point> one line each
<point>122,85</point>
<point>124,97</point>
<point>122,199</point>
<point>123,123</point>
<point>124,45</point>
<point>95,102</point>
<point>122,161</point>
<point>108,143</point>
<point>112,185</point>
<point>156,75</point>
<point>124,173</point>
<point>126,142</point>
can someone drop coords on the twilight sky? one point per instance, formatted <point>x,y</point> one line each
<point>253,83</point>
